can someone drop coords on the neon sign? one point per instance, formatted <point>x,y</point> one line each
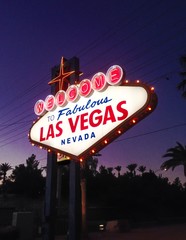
<point>86,117</point>
<point>98,82</point>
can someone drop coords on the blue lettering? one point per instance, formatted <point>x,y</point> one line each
<point>80,138</point>
<point>74,139</point>
<point>89,104</point>
<point>93,104</point>
<point>92,135</point>
<point>63,142</point>
<point>69,112</point>
<point>61,112</point>
<point>86,136</point>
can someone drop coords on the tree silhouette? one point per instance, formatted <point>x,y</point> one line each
<point>142,169</point>
<point>110,170</point>
<point>177,157</point>
<point>28,178</point>
<point>118,169</point>
<point>132,168</point>
<point>177,183</point>
<point>90,166</point>
<point>182,85</point>
<point>103,170</point>
<point>4,168</point>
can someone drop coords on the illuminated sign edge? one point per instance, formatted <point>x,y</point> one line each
<point>125,125</point>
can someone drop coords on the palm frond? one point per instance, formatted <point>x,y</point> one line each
<point>181,147</point>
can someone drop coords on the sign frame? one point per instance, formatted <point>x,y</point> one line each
<point>131,121</point>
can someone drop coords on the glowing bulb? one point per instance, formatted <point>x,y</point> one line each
<point>152,89</point>
<point>149,108</point>
<point>134,120</point>
<point>137,81</point>
<point>105,141</point>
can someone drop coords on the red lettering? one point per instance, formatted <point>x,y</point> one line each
<point>41,135</point>
<point>85,87</point>
<point>72,93</point>
<point>60,98</point>
<point>39,107</point>
<point>98,81</point>
<point>50,132</point>
<point>95,120</point>
<point>83,121</point>
<point>109,115</point>
<point>50,102</point>
<point>114,75</point>
<point>122,110</point>
<point>59,129</point>
<point>73,126</point>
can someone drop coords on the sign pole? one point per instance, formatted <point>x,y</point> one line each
<point>51,179</point>
<point>74,184</point>
<point>96,112</point>
<point>51,184</point>
<point>74,202</point>
<point>50,197</point>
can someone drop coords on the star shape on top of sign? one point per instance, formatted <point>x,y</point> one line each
<point>62,77</point>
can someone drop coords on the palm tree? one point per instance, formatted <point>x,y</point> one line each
<point>182,85</point>
<point>103,170</point>
<point>132,167</point>
<point>177,157</point>
<point>142,169</point>
<point>4,168</point>
<point>118,169</point>
<point>109,170</point>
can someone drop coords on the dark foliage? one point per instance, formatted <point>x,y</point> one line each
<point>139,197</point>
<point>136,194</point>
<point>27,179</point>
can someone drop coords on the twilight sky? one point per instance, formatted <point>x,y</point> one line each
<point>144,37</point>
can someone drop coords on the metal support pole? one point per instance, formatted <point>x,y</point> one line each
<point>50,197</point>
<point>59,184</point>
<point>51,184</point>
<point>51,179</point>
<point>75,202</point>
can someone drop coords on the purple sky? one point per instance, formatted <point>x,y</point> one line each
<point>145,37</point>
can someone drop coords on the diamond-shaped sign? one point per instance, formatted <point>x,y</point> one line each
<point>86,126</point>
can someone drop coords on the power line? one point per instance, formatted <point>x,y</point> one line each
<point>126,37</point>
<point>152,132</point>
